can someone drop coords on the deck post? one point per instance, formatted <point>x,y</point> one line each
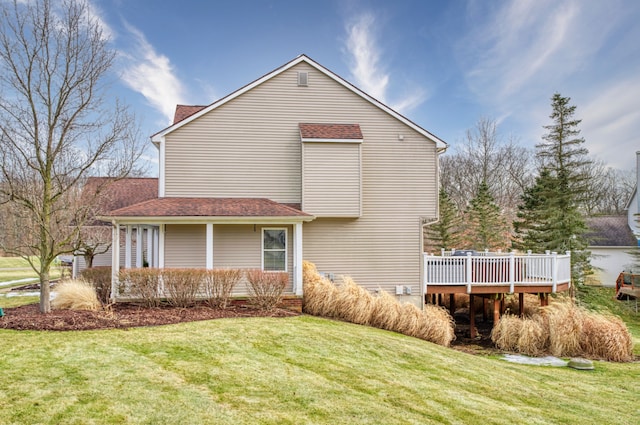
<point>521,303</point>
<point>127,247</point>
<point>452,304</point>
<point>468,270</point>
<point>496,309</point>
<point>115,260</point>
<point>472,317</point>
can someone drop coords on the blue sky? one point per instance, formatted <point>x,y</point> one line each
<point>443,64</point>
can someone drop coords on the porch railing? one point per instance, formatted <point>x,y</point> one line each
<point>496,269</point>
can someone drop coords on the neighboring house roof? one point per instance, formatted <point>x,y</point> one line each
<point>158,137</point>
<point>610,230</point>
<point>185,111</point>
<point>124,192</point>
<point>209,207</point>
<point>330,132</point>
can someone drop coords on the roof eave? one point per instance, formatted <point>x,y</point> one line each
<point>154,220</point>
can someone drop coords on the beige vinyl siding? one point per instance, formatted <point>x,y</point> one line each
<point>185,245</point>
<point>239,246</point>
<point>331,179</point>
<point>251,147</point>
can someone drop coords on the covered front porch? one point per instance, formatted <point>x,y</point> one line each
<point>209,233</point>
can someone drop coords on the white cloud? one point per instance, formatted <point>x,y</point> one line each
<point>365,65</point>
<point>365,53</point>
<point>151,74</point>
<point>611,123</point>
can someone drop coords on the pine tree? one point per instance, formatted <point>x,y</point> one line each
<point>445,234</point>
<point>550,218</point>
<point>486,226</point>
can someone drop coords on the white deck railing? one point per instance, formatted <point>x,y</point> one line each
<point>496,269</point>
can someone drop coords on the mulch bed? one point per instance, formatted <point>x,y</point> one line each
<point>122,315</point>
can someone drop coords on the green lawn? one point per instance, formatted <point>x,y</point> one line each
<point>15,268</point>
<point>291,371</point>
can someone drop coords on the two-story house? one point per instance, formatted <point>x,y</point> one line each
<point>299,164</point>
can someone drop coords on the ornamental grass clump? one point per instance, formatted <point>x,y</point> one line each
<point>218,285</point>
<point>182,285</point>
<point>565,330</point>
<point>319,292</point>
<point>606,337</point>
<point>75,295</point>
<point>352,303</point>
<point>266,288</point>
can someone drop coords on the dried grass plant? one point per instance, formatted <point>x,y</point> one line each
<point>564,322</point>
<point>218,285</point>
<point>75,295</point>
<point>319,293</point>
<point>564,329</point>
<point>351,302</point>
<point>607,338</point>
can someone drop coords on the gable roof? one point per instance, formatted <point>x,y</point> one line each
<point>610,230</point>
<point>330,132</point>
<point>121,193</point>
<point>209,207</point>
<point>157,138</point>
<point>185,111</point>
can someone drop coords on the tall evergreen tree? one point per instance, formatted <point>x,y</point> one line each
<point>487,228</point>
<point>446,233</point>
<point>550,214</point>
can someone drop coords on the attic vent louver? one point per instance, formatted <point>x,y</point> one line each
<point>303,79</point>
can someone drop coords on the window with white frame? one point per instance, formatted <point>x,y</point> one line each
<point>274,249</point>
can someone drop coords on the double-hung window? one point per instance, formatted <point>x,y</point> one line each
<point>274,249</point>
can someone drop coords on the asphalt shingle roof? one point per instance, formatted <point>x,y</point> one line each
<point>330,131</point>
<point>610,230</point>
<point>209,207</point>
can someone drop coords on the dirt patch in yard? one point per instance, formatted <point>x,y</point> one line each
<point>122,315</point>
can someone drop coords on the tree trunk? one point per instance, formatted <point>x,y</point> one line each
<point>45,291</point>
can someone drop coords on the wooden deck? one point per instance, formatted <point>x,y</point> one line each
<point>492,275</point>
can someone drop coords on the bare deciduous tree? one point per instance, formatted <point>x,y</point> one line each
<point>56,125</point>
<point>484,157</point>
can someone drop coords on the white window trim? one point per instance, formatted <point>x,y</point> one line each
<point>286,249</point>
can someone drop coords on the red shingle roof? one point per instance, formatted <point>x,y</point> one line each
<point>330,131</point>
<point>185,111</point>
<point>120,193</point>
<point>209,207</point>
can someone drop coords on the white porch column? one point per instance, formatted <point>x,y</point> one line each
<point>115,259</point>
<point>161,229</point>
<point>156,246</point>
<point>297,258</point>
<point>139,246</point>
<point>127,248</point>
<point>150,246</point>
<point>209,249</point>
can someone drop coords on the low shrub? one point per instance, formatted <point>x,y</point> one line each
<point>143,283</point>
<point>355,304</point>
<point>75,295</point>
<point>218,285</point>
<point>100,279</point>
<point>266,288</point>
<point>183,285</point>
